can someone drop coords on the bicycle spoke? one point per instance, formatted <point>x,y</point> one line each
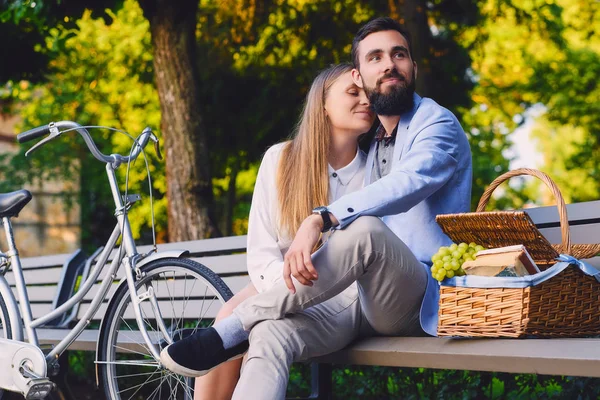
<point>140,385</point>
<point>132,375</point>
<point>201,308</point>
<point>184,385</point>
<point>130,372</point>
<point>142,343</point>
<point>155,390</point>
<point>130,362</point>
<point>186,300</point>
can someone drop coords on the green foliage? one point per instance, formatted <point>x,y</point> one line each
<point>544,52</point>
<point>366,383</point>
<point>100,74</point>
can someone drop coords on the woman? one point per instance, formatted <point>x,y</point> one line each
<point>320,164</point>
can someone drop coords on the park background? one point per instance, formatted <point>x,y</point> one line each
<point>221,80</point>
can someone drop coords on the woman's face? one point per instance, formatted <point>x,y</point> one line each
<point>347,107</point>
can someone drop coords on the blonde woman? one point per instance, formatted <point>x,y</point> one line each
<point>321,163</point>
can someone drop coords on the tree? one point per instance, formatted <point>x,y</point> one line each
<point>173,25</point>
<point>99,74</point>
<point>544,54</point>
<point>189,187</point>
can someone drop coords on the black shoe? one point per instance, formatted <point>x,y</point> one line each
<point>197,354</point>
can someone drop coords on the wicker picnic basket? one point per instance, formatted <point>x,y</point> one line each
<point>567,305</point>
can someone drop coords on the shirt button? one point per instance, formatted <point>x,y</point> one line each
<point>334,175</point>
<point>383,161</point>
<point>350,209</point>
<point>262,277</point>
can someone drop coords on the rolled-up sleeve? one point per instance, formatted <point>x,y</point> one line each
<point>429,163</point>
<point>264,257</point>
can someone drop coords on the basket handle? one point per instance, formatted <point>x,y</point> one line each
<point>560,202</point>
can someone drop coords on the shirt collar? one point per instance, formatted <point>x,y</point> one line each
<point>345,174</point>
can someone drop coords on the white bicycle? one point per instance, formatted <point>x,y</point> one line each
<point>163,298</point>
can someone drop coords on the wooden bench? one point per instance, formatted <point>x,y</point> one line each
<point>576,357</point>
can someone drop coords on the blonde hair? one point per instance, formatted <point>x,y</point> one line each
<point>302,176</point>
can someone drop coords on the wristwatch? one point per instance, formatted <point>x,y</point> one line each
<point>324,213</point>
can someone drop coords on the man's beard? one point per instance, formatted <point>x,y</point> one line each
<point>397,101</point>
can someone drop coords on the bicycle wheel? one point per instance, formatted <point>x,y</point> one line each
<point>189,296</point>
<point>5,330</point>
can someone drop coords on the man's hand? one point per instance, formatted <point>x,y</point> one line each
<point>297,261</point>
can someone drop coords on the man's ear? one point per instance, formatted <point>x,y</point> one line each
<point>356,78</point>
<point>415,66</point>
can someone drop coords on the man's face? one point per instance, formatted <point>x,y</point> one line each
<point>386,72</point>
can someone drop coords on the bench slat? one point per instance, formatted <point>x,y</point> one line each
<point>225,264</point>
<point>194,309</point>
<point>574,357</point>
<point>37,277</point>
<point>39,293</point>
<point>580,234</point>
<point>575,212</point>
<point>228,243</point>
<point>45,261</point>
<point>235,283</point>
<point>538,356</point>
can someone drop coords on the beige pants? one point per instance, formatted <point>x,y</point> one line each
<point>369,283</point>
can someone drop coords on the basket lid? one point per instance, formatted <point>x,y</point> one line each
<point>498,229</point>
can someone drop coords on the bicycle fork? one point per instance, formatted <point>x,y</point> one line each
<point>137,299</point>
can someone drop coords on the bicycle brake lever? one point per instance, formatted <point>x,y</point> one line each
<point>157,149</point>
<point>54,133</point>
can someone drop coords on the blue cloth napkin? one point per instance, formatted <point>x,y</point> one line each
<point>564,261</point>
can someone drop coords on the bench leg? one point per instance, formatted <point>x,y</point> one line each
<point>321,382</point>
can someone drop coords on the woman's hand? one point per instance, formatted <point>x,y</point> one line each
<point>297,260</point>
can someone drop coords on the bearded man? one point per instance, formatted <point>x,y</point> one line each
<point>373,271</point>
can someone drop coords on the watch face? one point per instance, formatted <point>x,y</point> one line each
<point>319,210</point>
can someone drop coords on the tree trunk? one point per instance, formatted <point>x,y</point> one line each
<point>413,15</point>
<point>189,185</point>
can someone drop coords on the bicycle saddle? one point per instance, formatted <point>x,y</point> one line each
<point>12,203</point>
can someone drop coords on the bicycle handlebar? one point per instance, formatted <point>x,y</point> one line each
<point>33,134</point>
<point>53,131</point>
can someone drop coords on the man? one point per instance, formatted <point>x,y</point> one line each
<point>371,276</point>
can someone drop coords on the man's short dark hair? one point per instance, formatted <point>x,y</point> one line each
<point>378,25</point>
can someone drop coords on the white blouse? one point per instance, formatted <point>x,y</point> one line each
<point>266,245</point>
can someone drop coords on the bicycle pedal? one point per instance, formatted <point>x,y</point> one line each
<point>39,389</point>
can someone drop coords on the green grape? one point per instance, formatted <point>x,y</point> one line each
<point>468,257</point>
<point>463,245</point>
<point>472,244</point>
<point>450,274</point>
<point>447,266</point>
<point>436,257</point>
<point>440,275</point>
<point>462,250</point>
<point>447,259</point>
<point>455,265</point>
<point>434,269</point>
<point>453,246</point>
<point>479,248</point>
<point>439,263</point>
<point>456,254</point>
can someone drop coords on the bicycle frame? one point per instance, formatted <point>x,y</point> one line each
<point>127,255</point>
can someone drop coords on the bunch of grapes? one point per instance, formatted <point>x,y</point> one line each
<point>448,261</point>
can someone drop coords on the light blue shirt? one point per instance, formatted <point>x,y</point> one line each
<point>431,174</point>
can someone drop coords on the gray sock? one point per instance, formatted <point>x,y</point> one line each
<point>231,331</point>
